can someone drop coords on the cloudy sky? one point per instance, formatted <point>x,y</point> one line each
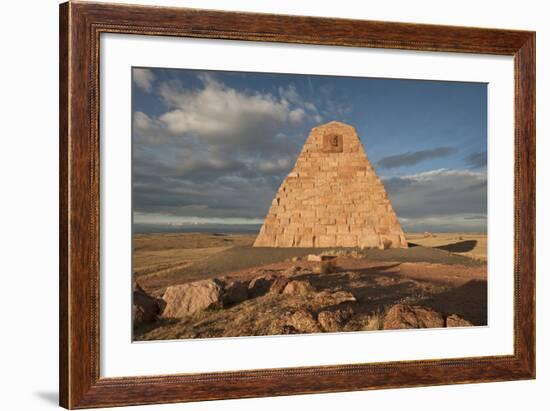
<point>212,147</point>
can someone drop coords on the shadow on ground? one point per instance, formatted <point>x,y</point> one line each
<point>460,247</point>
<point>239,258</point>
<point>468,300</point>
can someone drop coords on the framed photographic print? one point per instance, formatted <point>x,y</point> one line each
<point>256,205</point>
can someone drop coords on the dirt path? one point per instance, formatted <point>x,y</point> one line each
<point>217,262</point>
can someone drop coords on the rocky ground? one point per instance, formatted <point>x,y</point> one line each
<point>349,290</point>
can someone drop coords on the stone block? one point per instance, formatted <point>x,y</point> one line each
<point>368,241</point>
<point>346,240</point>
<point>325,240</point>
<point>331,229</point>
<point>306,241</point>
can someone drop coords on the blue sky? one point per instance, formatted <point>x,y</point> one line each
<point>213,147</point>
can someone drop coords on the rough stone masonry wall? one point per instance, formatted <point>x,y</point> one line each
<point>332,198</point>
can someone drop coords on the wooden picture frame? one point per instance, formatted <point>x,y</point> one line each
<point>80,27</point>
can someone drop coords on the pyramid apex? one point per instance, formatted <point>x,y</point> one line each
<point>334,123</point>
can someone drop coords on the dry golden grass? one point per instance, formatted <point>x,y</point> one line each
<point>171,260</point>
<point>182,241</point>
<point>159,258</point>
<point>373,321</point>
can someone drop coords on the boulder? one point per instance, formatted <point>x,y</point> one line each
<point>329,297</point>
<point>187,299</point>
<point>294,270</point>
<point>137,288</point>
<point>286,329</point>
<point>314,258</point>
<point>260,285</point>
<point>333,321</point>
<point>278,285</point>
<point>343,297</point>
<point>144,307</point>
<point>454,320</point>
<point>235,292</point>
<point>405,316</point>
<point>302,321</point>
<point>298,287</point>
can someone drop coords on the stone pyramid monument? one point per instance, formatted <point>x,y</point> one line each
<point>332,198</point>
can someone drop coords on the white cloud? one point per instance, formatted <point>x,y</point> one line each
<point>216,151</point>
<point>149,130</point>
<point>291,95</point>
<point>142,121</point>
<point>449,174</point>
<point>297,115</point>
<point>144,79</point>
<point>220,117</point>
<point>217,112</point>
